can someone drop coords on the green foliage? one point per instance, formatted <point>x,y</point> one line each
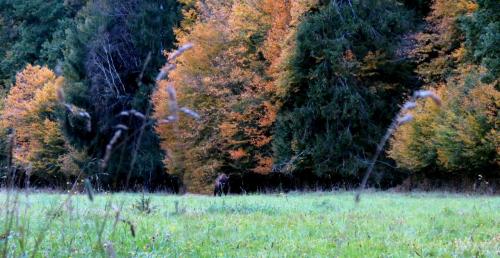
<point>144,205</point>
<point>482,33</point>
<point>459,137</point>
<point>342,86</point>
<point>30,33</point>
<point>462,136</point>
<point>306,225</point>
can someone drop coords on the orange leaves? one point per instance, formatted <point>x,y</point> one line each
<point>270,114</point>
<point>230,77</point>
<point>280,11</point>
<point>237,154</point>
<point>228,130</point>
<point>261,141</point>
<point>28,83</point>
<point>264,165</point>
<point>29,109</point>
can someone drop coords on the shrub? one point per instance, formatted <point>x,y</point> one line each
<point>460,137</point>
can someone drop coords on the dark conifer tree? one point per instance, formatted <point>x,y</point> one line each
<point>112,55</point>
<point>344,83</point>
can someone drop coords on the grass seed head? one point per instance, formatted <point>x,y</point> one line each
<point>109,148</point>
<point>405,119</point>
<point>179,51</point>
<point>409,105</point>
<point>190,112</point>
<point>422,94</point>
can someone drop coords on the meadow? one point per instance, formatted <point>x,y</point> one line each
<point>328,224</point>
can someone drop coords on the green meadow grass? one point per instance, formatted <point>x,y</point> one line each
<point>283,225</point>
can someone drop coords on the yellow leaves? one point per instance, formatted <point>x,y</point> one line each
<point>459,53</point>
<point>371,62</point>
<point>209,40</point>
<point>299,7</point>
<point>279,10</point>
<point>228,130</point>
<point>461,135</point>
<point>30,107</point>
<point>29,82</point>
<point>249,19</point>
<point>469,5</point>
<point>452,8</point>
<point>45,99</point>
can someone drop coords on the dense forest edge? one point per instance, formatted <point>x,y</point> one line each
<point>279,95</point>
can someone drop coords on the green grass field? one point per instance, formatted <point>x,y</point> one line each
<point>284,225</point>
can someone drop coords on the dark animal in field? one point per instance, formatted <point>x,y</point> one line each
<point>221,185</point>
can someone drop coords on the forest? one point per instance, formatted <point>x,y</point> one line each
<point>278,94</point>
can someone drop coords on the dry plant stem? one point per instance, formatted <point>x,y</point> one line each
<point>380,148</point>
<point>138,145</point>
<point>110,250</point>
<point>400,119</point>
<point>162,75</point>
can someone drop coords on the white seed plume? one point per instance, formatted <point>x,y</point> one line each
<point>399,120</point>
<point>179,51</point>
<point>124,113</point>
<point>133,112</point>
<point>109,148</point>
<point>84,114</point>
<point>172,102</point>
<point>409,105</point>
<point>405,119</point>
<point>428,94</point>
<point>165,70</point>
<point>190,112</point>
<point>68,108</point>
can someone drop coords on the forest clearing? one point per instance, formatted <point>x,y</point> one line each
<point>323,224</point>
<point>249,128</point>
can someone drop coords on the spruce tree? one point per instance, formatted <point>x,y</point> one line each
<point>343,84</point>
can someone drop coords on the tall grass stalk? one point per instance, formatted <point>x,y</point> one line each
<point>14,221</point>
<point>400,119</point>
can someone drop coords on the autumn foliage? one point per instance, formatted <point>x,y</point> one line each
<point>273,92</point>
<point>31,114</point>
<point>462,136</point>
